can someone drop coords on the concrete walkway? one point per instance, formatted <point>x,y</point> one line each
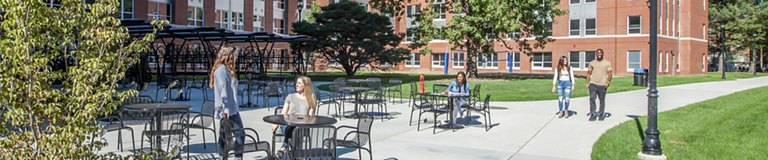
<point>522,130</point>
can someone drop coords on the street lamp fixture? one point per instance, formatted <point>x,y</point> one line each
<point>651,143</point>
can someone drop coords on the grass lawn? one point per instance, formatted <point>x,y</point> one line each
<point>728,127</point>
<point>529,89</point>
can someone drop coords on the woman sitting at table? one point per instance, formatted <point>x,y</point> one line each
<point>458,86</point>
<point>300,103</point>
<point>223,81</point>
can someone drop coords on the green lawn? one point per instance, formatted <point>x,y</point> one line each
<point>532,89</point>
<point>728,127</point>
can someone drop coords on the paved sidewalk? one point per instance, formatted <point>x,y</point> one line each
<point>523,130</point>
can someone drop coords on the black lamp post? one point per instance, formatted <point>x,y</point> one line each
<point>754,55</point>
<point>722,49</point>
<point>651,143</point>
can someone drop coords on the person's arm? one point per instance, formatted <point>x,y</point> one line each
<point>589,74</point>
<point>450,87</point>
<point>224,93</point>
<point>554,80</point>
<point>573,80</point>
<point>610,76</point>
<point>286,105</point>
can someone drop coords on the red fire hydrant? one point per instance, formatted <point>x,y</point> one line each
<point>421,83</point>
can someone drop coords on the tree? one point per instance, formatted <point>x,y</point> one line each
<point>60,68</point>
<point>745,27</point>
<point>351,36</point>
<point>312,11</point>
<point>478,25</point>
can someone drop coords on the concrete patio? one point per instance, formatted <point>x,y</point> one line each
<point>522,130</point>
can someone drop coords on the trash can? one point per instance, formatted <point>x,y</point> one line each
<point>640,77</point>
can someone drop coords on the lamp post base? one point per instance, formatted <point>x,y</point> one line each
<point>641,156</point>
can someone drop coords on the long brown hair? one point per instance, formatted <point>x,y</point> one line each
<point>561,64</point>
<point>227,57</point>
<point>308,91</point>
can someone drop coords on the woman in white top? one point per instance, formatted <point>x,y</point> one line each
<point>300,103</point>
<point>563,82</point>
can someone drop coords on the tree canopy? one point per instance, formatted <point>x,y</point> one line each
<point>60,70</point>
<point>744,22</point>
<point>478,25</point>
<point>351,36</point>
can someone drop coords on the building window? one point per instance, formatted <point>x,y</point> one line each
<point>580,60</point>
<point>414,60</point>
<point>222,19</point>
<point>515,59</point>
<point>704,4</point>
<point>439,7</point>
<point>158,11</point>
<point>633,26</point>
<point>703,62</point>
<point>677,65</point>
<point>703,31</point>
<point>575,2</point>
<point>591,27</point>
<point>458,60</point>
<point>666,60</point>
<point>438,60</point>
<point>194,16</point>
<point>239,21</point>
<point>411,12</point>
<point>126,7</point>
<point>633,60</point>
<point>279,26</point>
<point>542,60</point>
<point>279,4</point>
<point>488,60</point>
<point>547,32</point>
<point>575,27</point>
<point>514,35</point>
<point>589,1</point>
<point>661,61</point>
<point>258,26</point>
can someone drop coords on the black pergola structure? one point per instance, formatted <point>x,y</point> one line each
<point>181,52</point>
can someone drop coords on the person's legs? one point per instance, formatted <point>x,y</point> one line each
<point>567,96</point>
<point>592,96</point>
<point>601,94</point>
<point>560,97</point>
<point>457,113</point>
<point>222,141</point>
<point>239,132</point>
<point>288,133</point>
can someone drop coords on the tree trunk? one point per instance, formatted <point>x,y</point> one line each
<point>762,58</point>
<point>722,61</point>
<point>471,60</point>
<point>752,60</point>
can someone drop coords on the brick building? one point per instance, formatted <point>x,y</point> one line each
<point>620,28</point>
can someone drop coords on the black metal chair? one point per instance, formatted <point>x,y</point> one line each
<point>253,142</point>
<point>474,95</point>
<point>313,143</point>
<point>362,136</point>
<point>203,120</point>
<point>328,99</point>
<point>437,108</point>
<point>272,91</point>
<point>484,110</point>
<point>394,86</point>
<point>374,97</point>
<point>437,88</point>
<point>171,125</point>
<point>418,103</point>
<point>115,123</point>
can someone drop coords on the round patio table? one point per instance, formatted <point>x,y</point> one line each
<point>450,97</point>
<point>157,109</point>
<point>299,120</point>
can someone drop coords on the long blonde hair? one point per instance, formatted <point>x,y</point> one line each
<point>308,91</point>
<point>227,57</point>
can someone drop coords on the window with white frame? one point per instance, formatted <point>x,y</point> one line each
<point>222,19</point>
<point>411,12</point>
<point>575,29</point>
<point>575,1</point>
<point>514,35</point>
<point>590,27</point>
<point>633,25</point>
<point>414,60</point>
<point>158,11</point>
<point>439,8</point>
<point>666,60</point>
<point>126,8</point>
<point>279,4</point>
<point>278,26</point>
<point>258,25</point>
<point>438,60</point>
<point>633,59</point>
<point>488,60</point>
<point>541,60</point>
<point>703,62</point>
<point>704,4</point>
<point>703,31</point>
<point>661,61</point>
<point>458,59</point>
<point>239,21</point>
<point>194,16</point>
<point>579,60</point>
<point>515,59</point>
<point>589,1</point>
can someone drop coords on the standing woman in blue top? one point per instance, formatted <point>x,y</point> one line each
<point>459,85</point>
<point>224,83</point>
<point>563,82</point>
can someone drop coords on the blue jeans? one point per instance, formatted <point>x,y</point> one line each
<point>563,94</point>
<point>288,133</point>
<point>237,129</point>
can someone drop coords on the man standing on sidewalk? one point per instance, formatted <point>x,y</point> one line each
<point>598,80</point>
